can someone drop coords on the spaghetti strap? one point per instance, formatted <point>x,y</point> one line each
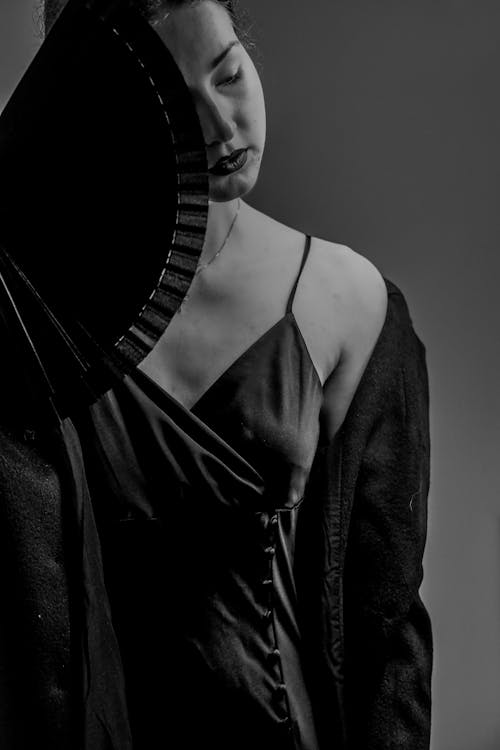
<point>294,288</point>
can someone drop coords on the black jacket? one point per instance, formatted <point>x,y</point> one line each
<point>366,632</point>
<point>369,631</point>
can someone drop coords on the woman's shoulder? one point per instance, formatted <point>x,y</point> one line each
<point>340,288</point>
<point>353,291</point>
<point>352,274</point>
<point>354,305</point>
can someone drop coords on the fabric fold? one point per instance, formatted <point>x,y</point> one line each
<point>93,443</point>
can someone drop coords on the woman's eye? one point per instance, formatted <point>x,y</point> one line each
<point>232,79</point>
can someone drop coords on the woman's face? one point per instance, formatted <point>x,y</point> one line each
<point>226,89</point>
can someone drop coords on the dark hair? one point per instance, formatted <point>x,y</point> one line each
<point>49,10</point>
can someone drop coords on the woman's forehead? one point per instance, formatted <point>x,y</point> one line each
<point>198,34</point>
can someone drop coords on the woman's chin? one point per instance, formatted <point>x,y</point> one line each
<point>228,187</point>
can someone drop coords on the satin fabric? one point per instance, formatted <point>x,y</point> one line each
<point>358,558</point>
<point>194,459</point>
<point>358,555</point>
<point>199,567</point>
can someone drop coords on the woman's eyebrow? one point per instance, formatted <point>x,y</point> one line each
<point>222,55</point>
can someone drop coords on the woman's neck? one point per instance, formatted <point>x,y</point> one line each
<point>220,218</point>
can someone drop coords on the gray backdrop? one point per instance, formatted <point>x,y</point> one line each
<point>383,134</point>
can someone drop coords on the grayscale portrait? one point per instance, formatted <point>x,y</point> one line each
<point>249,420</point>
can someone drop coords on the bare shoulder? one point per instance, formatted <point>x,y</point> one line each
<point>340,306</point>
<point>351,290</point>
<point>356,293</point>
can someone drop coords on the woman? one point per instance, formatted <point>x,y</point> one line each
<point>292,617</point>
<point>249,339</point>
<point>255,258</point>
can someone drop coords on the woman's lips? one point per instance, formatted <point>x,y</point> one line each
<point>230,163</point>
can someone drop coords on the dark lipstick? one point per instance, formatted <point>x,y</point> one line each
<point>231,163</point>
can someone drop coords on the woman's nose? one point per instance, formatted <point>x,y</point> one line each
<point>216,125</point>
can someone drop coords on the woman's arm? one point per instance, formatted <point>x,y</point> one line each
<point>359,552</point>
<point>358,323</point>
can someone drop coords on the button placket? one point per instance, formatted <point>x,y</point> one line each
<point>267,585</point>
<point>269,523</point>
<point>269,551</point>
<point>274,655</point>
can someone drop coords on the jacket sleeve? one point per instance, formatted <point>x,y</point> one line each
<point>387,632</point>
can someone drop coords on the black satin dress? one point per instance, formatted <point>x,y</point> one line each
<point>201,582</point>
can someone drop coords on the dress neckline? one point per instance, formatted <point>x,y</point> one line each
<point>289,315</point>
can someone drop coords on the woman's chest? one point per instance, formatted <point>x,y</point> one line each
<point>266,406</point>
<point>230,313</point>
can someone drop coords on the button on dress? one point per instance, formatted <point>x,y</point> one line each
<point>201,580</point>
